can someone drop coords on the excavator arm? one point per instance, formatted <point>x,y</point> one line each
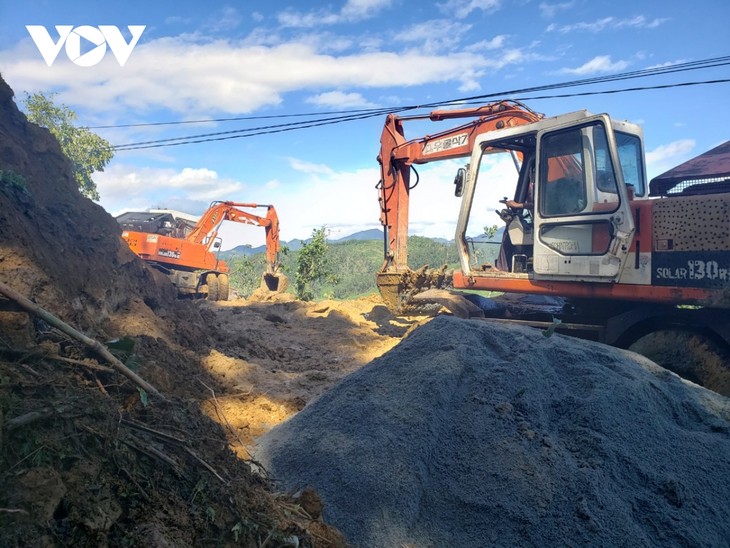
<point>206,230</point>
<point>396,157</point>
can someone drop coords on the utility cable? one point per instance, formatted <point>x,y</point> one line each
<point>291,125</point>
<point>238,135</point>
<point>265,130</point>
<point>668,69</point>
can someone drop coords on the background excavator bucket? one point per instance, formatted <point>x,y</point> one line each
<point>275,282</point>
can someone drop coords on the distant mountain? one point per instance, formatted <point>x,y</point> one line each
<point>497,238</point>
<point>363,235</point>
<point>242,250</point>
<point>295,245</point>
<point>372,234</point>
<point>247,250</point>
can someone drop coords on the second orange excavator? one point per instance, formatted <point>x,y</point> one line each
<point>187,251</point>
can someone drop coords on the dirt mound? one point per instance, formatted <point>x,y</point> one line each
<point>480,434</point>
<point>59,248</point>
<point>86,458</point>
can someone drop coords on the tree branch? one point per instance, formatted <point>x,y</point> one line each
<point>96,346</point>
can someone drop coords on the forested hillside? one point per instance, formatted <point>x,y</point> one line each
<point>352,265</point>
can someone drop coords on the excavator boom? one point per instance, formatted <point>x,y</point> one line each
<point>398,154</point>
<point>206,230</point>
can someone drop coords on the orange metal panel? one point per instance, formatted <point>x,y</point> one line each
<point>593,290</point>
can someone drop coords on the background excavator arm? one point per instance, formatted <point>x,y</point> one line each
<point>206,230</point>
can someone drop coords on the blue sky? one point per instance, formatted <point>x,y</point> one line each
<point>211,60</point>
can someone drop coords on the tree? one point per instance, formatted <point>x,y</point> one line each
<point>86,150</point>
<point>312,265</point>
<point>245,273</point>
<point>491,231</point>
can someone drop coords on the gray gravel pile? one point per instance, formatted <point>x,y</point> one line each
<point>479,434</point>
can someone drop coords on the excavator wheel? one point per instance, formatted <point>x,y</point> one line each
<point>213,288</point>
<point>693,356</point>
<point>223,287</point>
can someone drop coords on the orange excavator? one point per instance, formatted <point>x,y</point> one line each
<point>185,250</point>
<point>587,248</point>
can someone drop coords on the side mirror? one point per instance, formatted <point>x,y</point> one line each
<point>216,245</point>
<point>459,181</point>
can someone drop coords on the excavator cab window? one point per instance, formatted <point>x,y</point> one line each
<point>632,164</point>
<point>578,188</point>
<point>563,180</point>
<point>505,167</point>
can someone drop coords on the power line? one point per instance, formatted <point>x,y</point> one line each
<point>240,133</point>
<point>668,69</point>
<point>265,130</point>
<point>234,119</point>
<point>613,91</point>
<point>292,125</point>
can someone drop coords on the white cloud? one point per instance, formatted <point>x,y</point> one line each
<point>434,35</point>
<point>125,187</point>
<point>551,10</point>
<point>495,43</point>
<point>641,22</point>
<point>359,9</point>
<point>608,23</point>
<point>197,78</point>
<point>602,63</point>
<point>292,18</point>
<point>594,26</point>
<point>309,168</point>
<point>340,99</point>
<point>463,8</point>
<point>191,178</point>
<point>352,11</point>
<point>225,19</point>
<point>667,64</point>
<point>665,157</point>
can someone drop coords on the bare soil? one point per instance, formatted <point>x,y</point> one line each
<point>89,459</point>
<point>273,357</point>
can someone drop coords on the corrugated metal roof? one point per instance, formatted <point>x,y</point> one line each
<point>713,164</point>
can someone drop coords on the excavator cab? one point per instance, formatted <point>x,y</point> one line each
<point>578,224</point>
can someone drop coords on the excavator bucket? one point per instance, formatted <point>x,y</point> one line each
<point>274,282</point>
<point>391,287</point>
<point>423,292</point>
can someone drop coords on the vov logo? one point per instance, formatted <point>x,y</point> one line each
<point>98,37</point>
